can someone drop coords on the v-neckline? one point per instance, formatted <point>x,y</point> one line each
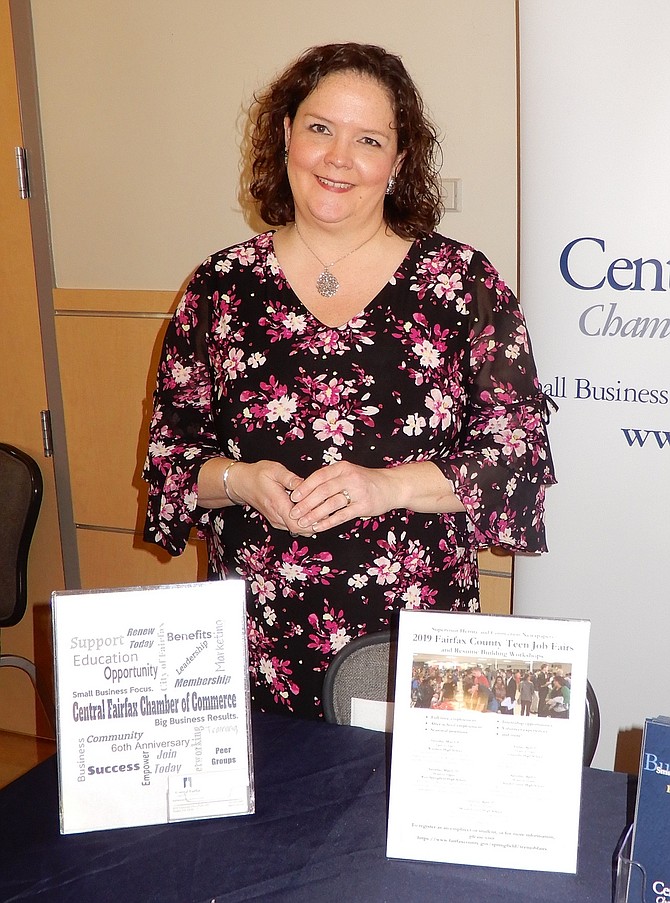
<point>360,313</point>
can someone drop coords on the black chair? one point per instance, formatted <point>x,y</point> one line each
<point>591,724</point>
<point>365,669</point>
<point>20,501</point>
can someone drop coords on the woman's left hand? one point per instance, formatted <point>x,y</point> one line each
<point>342,492</point>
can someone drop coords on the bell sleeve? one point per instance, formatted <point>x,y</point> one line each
<point>182,434</point>
<point>501,464</point>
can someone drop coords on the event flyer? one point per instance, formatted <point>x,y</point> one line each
<point>152,694</point>
<point>488,740</point>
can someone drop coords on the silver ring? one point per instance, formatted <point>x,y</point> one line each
<point>347,496</point>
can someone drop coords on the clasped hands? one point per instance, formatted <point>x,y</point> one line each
<point>327,498</point>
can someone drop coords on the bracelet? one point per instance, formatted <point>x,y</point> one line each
<point>225,481</point>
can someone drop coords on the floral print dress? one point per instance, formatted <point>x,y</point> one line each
<point>437,368</point>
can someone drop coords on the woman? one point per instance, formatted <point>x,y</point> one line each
<point>499,691</point>
<point>426,694</point>
<point>448,691</point>
<point>558,699</point>
<point>347,407</point>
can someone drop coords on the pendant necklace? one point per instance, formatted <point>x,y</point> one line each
<point>327,284</point>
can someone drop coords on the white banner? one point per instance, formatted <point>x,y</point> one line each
<point>595,285</point>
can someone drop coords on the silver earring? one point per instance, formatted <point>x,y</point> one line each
<point>285,156</point>
<point>390,188</point>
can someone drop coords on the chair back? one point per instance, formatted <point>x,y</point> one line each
<point>591,724</point>
<point>20,500</point>
<point>364,669</point>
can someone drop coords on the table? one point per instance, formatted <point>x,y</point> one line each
<point>318,834</point>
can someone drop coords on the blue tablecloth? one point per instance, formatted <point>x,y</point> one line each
<point>318,834</point>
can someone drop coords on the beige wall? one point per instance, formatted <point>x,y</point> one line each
<point>141,103</point>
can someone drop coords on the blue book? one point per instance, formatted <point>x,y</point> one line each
<point>651,832</point>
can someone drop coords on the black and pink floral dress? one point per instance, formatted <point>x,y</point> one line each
<point>437,367</point>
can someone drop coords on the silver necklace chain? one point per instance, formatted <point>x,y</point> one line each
<point>326,283</point>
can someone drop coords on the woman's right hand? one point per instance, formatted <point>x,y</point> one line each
<point>264,486</point>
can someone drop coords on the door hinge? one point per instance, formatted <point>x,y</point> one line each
<point>22,173</point>
<point>47,439</point>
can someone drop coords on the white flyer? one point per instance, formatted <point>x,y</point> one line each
<point>488,740</point>
<point>152,697</point>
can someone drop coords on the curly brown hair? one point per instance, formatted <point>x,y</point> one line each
<point>415,207</point>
